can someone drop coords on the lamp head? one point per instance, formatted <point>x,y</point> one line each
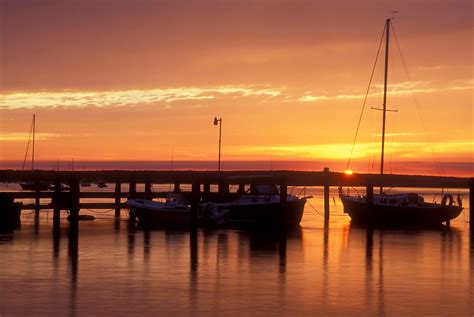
<point>216,122</point>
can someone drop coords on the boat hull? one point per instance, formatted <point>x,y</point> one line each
<point>261,214</point>
<point>150,215</point>
<point>266,214</point>
<point>36,186</point>
<point>429,214</point>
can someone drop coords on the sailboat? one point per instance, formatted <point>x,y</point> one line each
<point>33,185</point>
<point>406,209</point>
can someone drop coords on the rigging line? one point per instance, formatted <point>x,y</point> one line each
<point>27,146</point>
<point>366,95</point>
<point>419,108</point>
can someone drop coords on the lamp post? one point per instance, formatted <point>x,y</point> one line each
<point>219,122</point>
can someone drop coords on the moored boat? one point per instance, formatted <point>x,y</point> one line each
<point>155,213</point>
<point>400,210</point>
<point>397,209</point>
<point>260,206</point>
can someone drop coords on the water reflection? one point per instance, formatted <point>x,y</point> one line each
<point>405,246</point>
<point>73,252</point>
<point>340,271</point>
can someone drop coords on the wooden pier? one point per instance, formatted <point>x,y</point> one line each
<point>71,200</point>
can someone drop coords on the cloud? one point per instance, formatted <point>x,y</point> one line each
<point>361,150</point>
<point>66,98</point>
<point>13,136</point>
<point>404,88</point>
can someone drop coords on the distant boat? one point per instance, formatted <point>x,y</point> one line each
<point>101,184</point>
<point>85,183</point>
<point>33,185</point>
<point>62,186</point>
<point>400,209</point>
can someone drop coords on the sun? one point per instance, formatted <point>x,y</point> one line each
<point>348,172</point>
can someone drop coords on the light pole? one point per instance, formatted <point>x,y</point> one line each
<point>219,122</point>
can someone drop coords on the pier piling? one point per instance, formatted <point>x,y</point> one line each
<point>118,189</point>
<point>74,204</point>
<point>326,197</point>
<point>148,190</point>
<point>56,210</point>
<point>37,205</point>
<point>132,189</point>
<point>369,194</point>
<point>283,203</point>
<point>471,204</point>
<point>132,193</point>
<point>194,204</point>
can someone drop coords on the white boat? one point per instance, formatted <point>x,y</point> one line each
<point>154,213</point>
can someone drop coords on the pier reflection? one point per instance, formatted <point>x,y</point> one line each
<point>73,253</point>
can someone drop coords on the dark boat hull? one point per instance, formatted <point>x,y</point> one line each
<point>163,217</point>
<point>262,214</point>
<point>36,186</point>
<point>429,214</point>
<point>266,214</point>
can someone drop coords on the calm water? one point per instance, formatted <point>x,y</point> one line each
<point>344,271</point>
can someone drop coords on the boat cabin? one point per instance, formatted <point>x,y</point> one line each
<point>409,199</point>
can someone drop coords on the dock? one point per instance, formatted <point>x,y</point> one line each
<point>200,184</point>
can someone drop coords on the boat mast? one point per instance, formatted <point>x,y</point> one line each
<point>33,153</point>
<point>387,30</point>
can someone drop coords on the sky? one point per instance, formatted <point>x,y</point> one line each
<point>143,80</point>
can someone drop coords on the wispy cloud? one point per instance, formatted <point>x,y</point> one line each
<point>404,88</point>
<point>343,150</point>
<point>13,136</point>
<point>127,97</point>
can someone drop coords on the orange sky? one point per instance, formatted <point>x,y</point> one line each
<point>131,80</point>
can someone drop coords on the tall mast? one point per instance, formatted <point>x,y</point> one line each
<point>33,153</point>
<point>387,34</point>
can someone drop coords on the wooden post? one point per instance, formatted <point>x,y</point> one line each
<point>223,188</point>
<point>147,190</point>
<point>177,188</point>
<point>326,196</point>
<point>283,204</point>
<point>195,204</point>
<point>369,198</point>
<point>118,189</point>
<point>132,193</point>
<point>471,204</point>
<point>37,205</point>
<point>74,204</point>
<point>56,200</point>
<point>241,189</point>
<point>132,189</point>
<point>369,194</point>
